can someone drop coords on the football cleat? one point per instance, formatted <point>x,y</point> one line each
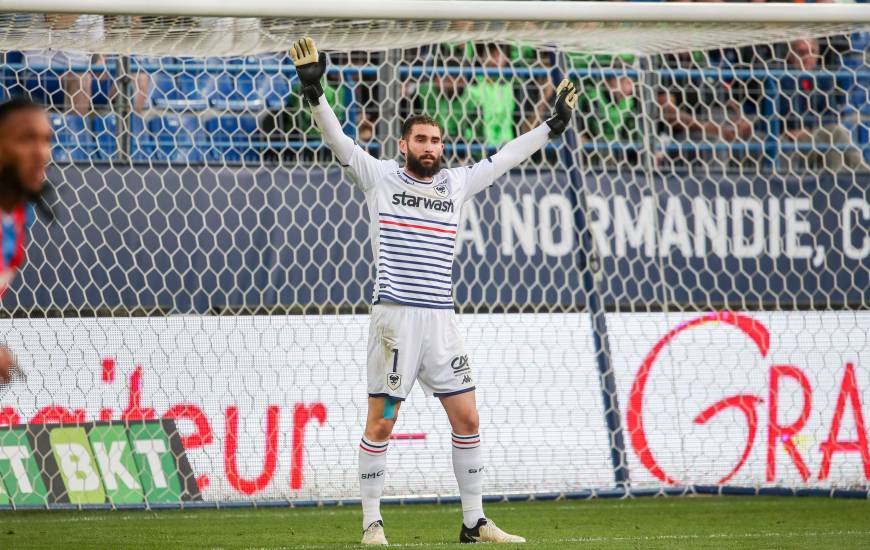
<point>374,534</point>
<point>486,531</point>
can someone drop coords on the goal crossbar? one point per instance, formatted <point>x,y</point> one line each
<point>205,28</point>
<point>466,10</point>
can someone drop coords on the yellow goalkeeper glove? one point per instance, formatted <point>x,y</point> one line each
<point>566,100</point>
<point>310,67</point>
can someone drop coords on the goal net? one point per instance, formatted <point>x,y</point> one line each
<point>671,298</point>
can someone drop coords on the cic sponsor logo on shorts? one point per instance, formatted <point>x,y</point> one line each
<point>461,368</point>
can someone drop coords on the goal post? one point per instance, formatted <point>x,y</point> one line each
<point>672,299</point>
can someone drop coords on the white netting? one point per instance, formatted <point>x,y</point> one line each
<point>223,36</point>
<point>209,262</point>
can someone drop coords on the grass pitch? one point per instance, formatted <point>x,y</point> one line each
<point>698,522</point>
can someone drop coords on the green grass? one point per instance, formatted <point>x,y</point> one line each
<point>702,522</point>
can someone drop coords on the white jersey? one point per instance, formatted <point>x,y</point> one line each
<point>413,226</point>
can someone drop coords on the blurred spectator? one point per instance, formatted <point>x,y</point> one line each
<point>491,98</point>
<point>294,121</point>
<point>537,96</point>
<point>703,109</point>
<point>443,98</point>
<point>360,93</point>
<point>610,116</point>
<point>367,93</point>
<point>810,108</point>
<point>73,67</point>
<point>353,103</point>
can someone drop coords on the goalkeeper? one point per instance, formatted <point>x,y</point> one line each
<point>413,335</point>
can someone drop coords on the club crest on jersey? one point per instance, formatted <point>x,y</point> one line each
<point>442,190</point>
<point>394,380</point>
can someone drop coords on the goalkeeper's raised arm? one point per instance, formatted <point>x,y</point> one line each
<point>310,68</point>
<point>422,142</point>
<point>519,149</point>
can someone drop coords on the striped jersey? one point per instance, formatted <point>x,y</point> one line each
<point>13,238</point>
<point>413,226</point>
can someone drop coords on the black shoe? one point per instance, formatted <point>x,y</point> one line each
<point>486,531</point>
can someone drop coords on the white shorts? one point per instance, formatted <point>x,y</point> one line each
<point>413,343</point>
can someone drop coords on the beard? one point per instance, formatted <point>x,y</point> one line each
<point>416,165</point>
<point>10,179</point>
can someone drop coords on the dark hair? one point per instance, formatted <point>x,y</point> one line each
<point>413,120</point>
<point>18,103</point>
<point>24,103</point>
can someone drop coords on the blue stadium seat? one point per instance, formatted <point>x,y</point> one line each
<point>43,87</point>
<point>9,86</point>
<point>162,90</point>
<point>44,83</point>
<point>236,92</point>
<point>73,139</point>
<point>191,91</point>
<point>101,86</point>
<point>101,91</point>
<point>861,138</point>
<point>859,43</point>
<point>274,88</point>
<point>177,138</point>
<point>856,107</point>
<point>105,129</point>
<point>13,58</point>
<point>233,138</point>
<point>858,98</point>
<point>224,61</point>
<point>141,142</point>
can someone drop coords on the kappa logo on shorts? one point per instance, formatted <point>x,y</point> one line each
<point>394,380</point>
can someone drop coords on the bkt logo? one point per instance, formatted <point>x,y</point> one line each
<point>779,431</point>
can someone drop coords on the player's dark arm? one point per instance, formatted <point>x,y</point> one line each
<point>310,68</point>
<point>519,149</point>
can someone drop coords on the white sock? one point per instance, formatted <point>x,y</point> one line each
<point>468,467</point>
<point>372,470</point>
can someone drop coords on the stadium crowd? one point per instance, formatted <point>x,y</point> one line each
<point>802,103</point>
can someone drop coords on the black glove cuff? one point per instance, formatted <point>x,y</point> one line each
<point>557,126</point>
<point>312,93</point>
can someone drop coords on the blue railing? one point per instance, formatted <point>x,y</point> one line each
<point>416,71</point>
<point>766,137</point>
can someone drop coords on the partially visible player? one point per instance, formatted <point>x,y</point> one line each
<point>413,336</point>
<point>9,369</point>
<point>25,151</point>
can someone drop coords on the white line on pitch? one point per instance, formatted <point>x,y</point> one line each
<point>590,540</point>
